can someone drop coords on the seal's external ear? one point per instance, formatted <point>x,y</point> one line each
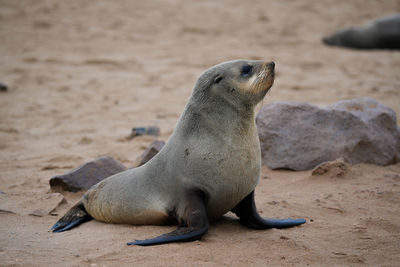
<point>218,78</point>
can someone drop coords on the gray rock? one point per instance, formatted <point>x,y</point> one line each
<point>299,136</point>
<point>149,153</point>
<point>87,175</point>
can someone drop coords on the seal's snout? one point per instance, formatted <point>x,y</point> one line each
<point>326,40</point>
<point>271,69</point>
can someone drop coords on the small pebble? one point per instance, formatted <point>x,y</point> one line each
<point>151,130</point>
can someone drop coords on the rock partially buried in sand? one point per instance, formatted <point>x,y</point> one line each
<point>336,168</point>
<point>47,204</point>
<point>299,136</point>
<point>87,175</point>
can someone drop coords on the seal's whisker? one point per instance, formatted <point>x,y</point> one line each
<point>260,80</point>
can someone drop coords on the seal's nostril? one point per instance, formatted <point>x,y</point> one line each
<point>272,64</point>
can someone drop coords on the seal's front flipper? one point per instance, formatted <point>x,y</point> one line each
<point>182,234</point>
<point>247,212</point>
<point>74,217</point>
<point>193,222</point>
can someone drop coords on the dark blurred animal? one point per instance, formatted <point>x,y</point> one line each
<point>383,33</point>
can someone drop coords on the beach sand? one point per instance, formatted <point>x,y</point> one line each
<point>81,74</point>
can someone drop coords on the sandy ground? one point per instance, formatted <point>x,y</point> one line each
<point>81,74</point>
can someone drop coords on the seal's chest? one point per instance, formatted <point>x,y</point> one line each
<point>237,177</point>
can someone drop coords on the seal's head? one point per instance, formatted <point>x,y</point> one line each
<point>345,37</point>
<point>241,83</point>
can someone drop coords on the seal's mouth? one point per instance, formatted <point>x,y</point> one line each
<point>264,79</point>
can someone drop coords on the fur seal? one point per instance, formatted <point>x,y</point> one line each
<point>210,165</point>
<point>383,33</point>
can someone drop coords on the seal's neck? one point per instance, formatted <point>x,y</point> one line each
<point>204,115</point>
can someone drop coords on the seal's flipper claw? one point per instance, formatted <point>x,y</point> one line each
<point>56,226</point>
<point>74,217</point>
<point>247,212</point>
<point>194,222</point>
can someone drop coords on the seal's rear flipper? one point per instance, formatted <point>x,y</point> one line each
<point>75,216</point>
<point>194,222</point>
<point>247,212</point>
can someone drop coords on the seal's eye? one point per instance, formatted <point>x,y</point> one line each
<point>246,70</point>
<point>218,78</point>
